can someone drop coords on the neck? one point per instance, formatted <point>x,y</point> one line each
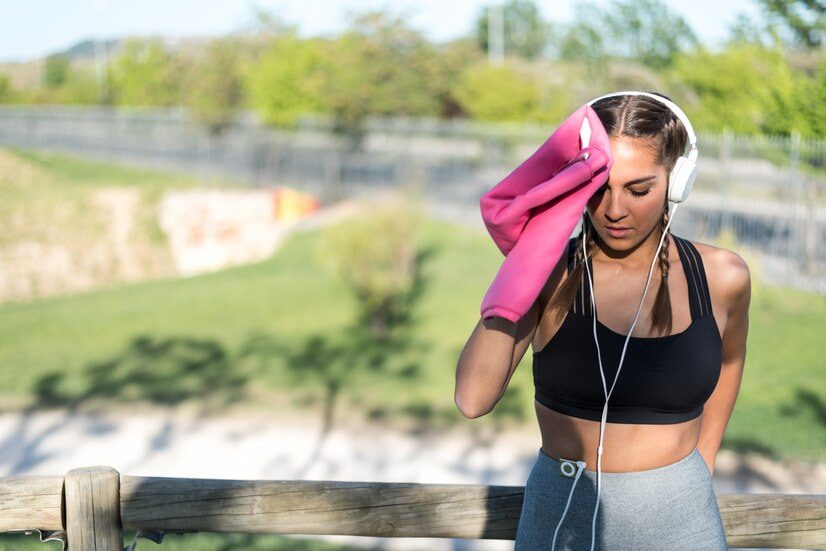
<point>637,257</point>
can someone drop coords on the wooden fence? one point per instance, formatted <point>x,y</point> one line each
<point>91,506</point>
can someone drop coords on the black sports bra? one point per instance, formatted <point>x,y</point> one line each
<point>663,380</point>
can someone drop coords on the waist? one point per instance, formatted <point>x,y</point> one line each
<point>626,447</point>
<point>672,468</point>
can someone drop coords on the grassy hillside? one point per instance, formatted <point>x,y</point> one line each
<point>72,225</point>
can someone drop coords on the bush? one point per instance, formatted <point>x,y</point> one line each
<point>374,254</point>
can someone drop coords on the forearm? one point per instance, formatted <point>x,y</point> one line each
<point>717,412</point>
<point>483,365</point>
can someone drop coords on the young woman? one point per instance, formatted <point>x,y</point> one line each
<point>680,370</point>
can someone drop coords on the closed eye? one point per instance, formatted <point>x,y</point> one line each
<point>633,192</point>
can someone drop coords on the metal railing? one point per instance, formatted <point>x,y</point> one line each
<point>769,192</point>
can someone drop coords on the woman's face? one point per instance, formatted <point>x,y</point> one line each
<point>633,197</point>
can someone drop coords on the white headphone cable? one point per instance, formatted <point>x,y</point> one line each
<point>580,468</point>
<point>622,358</point>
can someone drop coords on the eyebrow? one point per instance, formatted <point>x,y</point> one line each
<point>640,180</point>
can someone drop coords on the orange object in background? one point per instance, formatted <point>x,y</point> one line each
<point>291,204</point>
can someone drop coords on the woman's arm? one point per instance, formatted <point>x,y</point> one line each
<point>493,352</point>
<point>734,281</point>
<point>488,360</point>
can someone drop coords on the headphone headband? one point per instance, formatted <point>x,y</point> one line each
<point>692,138</point>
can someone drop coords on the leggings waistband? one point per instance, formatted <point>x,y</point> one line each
<point>658,472</point>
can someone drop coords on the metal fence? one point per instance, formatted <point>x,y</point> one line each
<point>768,192</point>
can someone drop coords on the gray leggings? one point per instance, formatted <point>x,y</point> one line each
<point>667,508</point>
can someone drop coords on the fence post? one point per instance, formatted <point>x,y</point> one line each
<point>725,158</point>
<point>93,509</point>
<point>809,221</point>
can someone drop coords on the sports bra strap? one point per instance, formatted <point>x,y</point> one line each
<point>578,306</point>
<point>699,298</point>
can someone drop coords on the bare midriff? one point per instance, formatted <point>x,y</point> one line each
<point>625,447</point>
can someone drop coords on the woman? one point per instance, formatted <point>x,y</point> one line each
<point>681,368</point>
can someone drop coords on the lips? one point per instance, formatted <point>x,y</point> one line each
<point>618,232</point>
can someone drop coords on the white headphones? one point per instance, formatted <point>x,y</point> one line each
<point>680,182</point>
<point>684,172</point>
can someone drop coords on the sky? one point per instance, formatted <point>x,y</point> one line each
<point>34,29</point>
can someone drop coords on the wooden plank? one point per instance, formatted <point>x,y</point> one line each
<point>28,502</point>
<point>321,507</point>
<point>774,520</point>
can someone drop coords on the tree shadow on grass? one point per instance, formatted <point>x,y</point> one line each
<point>206,373</point>
<point>323,369</point>
<point>806,404</point>
<point>806,407</point>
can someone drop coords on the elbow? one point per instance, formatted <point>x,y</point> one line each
<point>470,409</point>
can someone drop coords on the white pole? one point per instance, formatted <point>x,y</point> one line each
<point>496,34</point>
<point>101,59</point>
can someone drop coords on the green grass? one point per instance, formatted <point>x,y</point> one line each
<point>281,334</point>
<point>781,408</point>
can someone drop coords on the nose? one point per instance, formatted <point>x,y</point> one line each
<point>615,209</point>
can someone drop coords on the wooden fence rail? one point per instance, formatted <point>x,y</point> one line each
<point>93,505</point>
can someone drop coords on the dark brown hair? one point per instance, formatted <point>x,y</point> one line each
<point>638,117</point>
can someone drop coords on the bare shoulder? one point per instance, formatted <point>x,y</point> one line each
<point>728,274</point>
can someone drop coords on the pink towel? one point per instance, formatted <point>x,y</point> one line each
<point>532,212</point>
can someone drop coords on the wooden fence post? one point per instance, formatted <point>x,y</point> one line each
<point>93,509</point>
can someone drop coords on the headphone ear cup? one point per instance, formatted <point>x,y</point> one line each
<point>681,179</point>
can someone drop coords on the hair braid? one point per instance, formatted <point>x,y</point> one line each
<point>565,296</point>
<point>661,315</point>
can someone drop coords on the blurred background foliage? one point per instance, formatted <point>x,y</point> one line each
<point>769,77</point>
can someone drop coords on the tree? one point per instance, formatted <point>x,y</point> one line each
<point>814,101</point>
<point>6,92</point>
<point>451,60</point>
<point>747,30</point>
<point>214,84</point>
<point>496,93</point>
<point>56,71</point>
<point>146,74</point>
<point>379,66</point>
<point>640,30</point>
<point>374,253</point>
<point>803,21</point>
<point>287,81</point>
<point>525,32</point>
<point>748,88</point>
